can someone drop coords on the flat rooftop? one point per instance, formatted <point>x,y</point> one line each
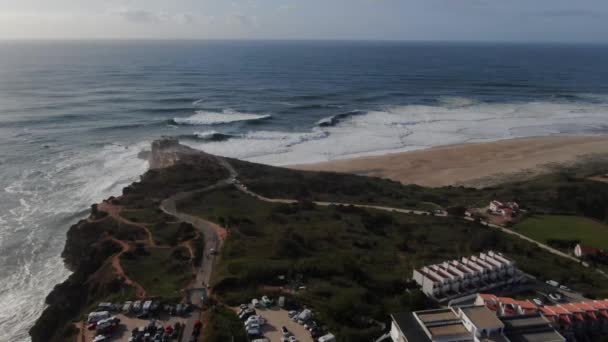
<point>527,321</point>
<point>453,329</point>
<point>537,336</point>
<point>442,323</point>
<point>438,315</point>
<point>482,317</point>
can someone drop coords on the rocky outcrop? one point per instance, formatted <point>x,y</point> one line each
<point>167,151</point>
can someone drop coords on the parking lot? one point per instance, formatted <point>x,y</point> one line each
<point>276,319</point>
<point>162,322</point>
<point>128,324</point>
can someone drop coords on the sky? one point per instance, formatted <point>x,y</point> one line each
<point>443,20</point>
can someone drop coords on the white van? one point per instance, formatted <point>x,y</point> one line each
<point>97,316</point>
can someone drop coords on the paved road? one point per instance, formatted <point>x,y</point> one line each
<point>209,230</point>
<point>539,244</point>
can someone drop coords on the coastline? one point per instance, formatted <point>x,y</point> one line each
<point>472,164</point>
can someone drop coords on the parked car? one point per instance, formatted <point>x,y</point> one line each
<point>100,338</point>
<point>136,306</point>
<point>292,313</point>
<point>126,308</point>
<point>246,314</point>
<point>552,283</point>
<point>97,316</point>
<point>285,331</point>
<point>538,302</point>
<point>565,288</point>
<point>255,302</point>
<point>266,301</point>
<point>327,338</point>
<point>556,297</point>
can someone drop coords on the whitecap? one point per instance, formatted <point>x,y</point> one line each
<point>202,117</point>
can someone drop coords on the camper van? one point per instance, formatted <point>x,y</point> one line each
<point>97,316</point>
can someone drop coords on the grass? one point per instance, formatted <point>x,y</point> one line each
<point>355,263</point>
<point>544,228</point>
<point>159,271</point>
<point>223,325</point>
<point>564,192</point>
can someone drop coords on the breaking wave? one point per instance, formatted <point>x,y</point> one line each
<point>336,119</point>
<point>202,118</point>
<point>208,136</point>
<point>450,120</point>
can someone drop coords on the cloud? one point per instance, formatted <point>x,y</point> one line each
<point>242,20</point>
<point>141,16</point>
<point>136,16</point>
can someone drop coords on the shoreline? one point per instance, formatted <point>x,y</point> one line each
<point>476,164</point>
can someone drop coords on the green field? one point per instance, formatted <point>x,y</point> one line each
<point>546,227</point>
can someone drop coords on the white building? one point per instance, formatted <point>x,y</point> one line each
<point>470,324</point>
<point>467,324</point>
<point>466,275</point>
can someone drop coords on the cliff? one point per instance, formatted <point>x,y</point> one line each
<point>94,241</point>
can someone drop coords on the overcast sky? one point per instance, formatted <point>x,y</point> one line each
<point>493,20</point>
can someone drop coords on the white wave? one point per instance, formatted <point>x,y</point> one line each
<point>404,128</point>
<point>202,117</point>
<point>35,216</point>
<point>197,102</point>
<point>206,134</point>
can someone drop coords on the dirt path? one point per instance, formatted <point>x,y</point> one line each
<point>114,212</point>
<point>140,292</point>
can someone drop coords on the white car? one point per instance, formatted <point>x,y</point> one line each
<point>127,307</point>
<point>252,325</point>
<point>556,297</point>
<point>293,339</point>
<point>266,301</point>
<point>565,288</point>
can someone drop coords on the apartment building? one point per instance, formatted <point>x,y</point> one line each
<point>467,275</point>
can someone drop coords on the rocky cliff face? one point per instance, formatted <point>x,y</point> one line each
<point>167,152</point>
<point>173,168</point>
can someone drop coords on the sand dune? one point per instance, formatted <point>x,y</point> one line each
<point>476,164</point>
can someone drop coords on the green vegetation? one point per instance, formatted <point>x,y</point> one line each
<point>571,229</point>
<point>355,263</point>
<point>223,325</point>
<point>163,272</point>
<point>565,192</point>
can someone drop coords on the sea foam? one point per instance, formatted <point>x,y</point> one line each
<point>410,127</point>
<point>202,117</point>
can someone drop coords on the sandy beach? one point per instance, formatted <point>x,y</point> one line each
<point>475,164</point>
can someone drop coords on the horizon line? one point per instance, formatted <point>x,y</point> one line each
<point>454,41</point>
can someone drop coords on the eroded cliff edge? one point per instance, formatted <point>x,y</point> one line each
<point>93,241</point>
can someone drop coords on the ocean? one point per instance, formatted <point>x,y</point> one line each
<point>75,115</point>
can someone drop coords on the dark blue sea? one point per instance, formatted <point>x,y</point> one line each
<point>75,115</point>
